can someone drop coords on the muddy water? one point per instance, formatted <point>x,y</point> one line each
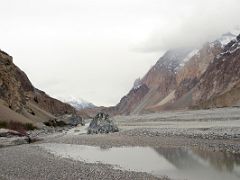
<point>174,162</point>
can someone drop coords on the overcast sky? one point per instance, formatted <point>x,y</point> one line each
<point>95,49</point>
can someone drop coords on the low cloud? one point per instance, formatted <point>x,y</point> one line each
<point>84,48</point>
<point>204,22</point>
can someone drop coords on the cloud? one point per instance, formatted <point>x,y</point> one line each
<point>84,48</point>
<point>204,21</point>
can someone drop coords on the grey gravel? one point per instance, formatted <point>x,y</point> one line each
<point>31,162</point>
<point>211,130</point>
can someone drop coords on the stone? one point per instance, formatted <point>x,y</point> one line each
<point>102,124</point>
<point>76,120</point>
<point>9,133</point>
<point>12,138</point>
<point>55,123</point>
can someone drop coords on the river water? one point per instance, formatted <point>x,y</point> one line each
<point>177,163</point>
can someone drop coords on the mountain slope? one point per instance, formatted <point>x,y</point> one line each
<point>220,84</point>
<point>155,85</point>
<point>20,97</point>
<point>186,78</point>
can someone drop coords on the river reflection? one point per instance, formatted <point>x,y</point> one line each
<point>176,163</point>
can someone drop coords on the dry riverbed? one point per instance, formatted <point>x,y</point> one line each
<point>188,143</point>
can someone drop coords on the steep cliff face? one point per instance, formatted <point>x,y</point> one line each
<point>189,75</point>
<point>129,102</point>
<point>49,104</point>
<point>183,78</point>
<point>19,95</point>
<point>220,84</point>
<point>11,89</point>
<point>206,80</point>
<point>164,71</point>
<point>159,81</point>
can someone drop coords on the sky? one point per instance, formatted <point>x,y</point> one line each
<point>95,49</point>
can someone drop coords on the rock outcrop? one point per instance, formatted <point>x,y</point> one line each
<point>101,123</point>
<point>11,80</point>
<point>11,138</point>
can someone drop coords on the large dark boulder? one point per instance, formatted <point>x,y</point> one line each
<point>102,124</point>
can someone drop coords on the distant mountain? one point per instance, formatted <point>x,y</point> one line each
<point>187,78</point>
<point>78,103</point>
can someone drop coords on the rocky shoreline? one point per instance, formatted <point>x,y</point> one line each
<point>29,161</point>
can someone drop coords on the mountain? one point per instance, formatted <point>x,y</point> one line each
<point>21,101</point>
<point>159,81</point>
<point>228,37</point>
<point>220,84</point>
<point>78,103</point>
<point>188,78</point>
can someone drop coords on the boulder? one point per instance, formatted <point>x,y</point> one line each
<point>65,120</point>
<point>102,124</point>
<point>10,133</point>
<point>75,120</point>
<point>12,138</point>
<point>55,123</point>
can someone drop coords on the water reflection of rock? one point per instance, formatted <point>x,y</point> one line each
<point>181,158</point>
<point>196,158</point>
<point>220,160</point>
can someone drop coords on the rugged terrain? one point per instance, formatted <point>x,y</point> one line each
<point>188,78</point>
<point>21,101</point>
<point>182,79</point>
<point>212,134</point>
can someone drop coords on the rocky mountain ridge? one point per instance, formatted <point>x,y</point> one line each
<point>24,100</point>
<point>187,78</point>
<point>220,84</point>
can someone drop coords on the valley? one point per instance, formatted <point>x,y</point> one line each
<point>179,120</point>
<point>211,135</point>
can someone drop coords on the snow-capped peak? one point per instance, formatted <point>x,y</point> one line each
<point>78,103</point>
<point>228,37</point>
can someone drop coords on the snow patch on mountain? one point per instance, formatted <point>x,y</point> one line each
<point>78,103</point>
<point>231,48</point>
<point>189,56</point>
<point>172,59</point>
<point>228,37</point>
